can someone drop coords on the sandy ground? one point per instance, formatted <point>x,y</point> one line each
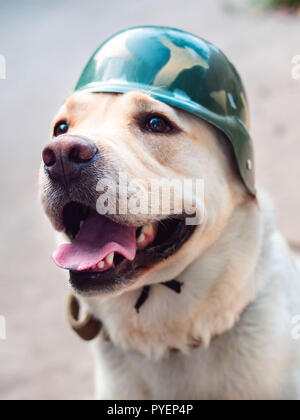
<point>46,45</point>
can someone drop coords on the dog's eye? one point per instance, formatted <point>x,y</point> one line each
<point>157,124</point>
<point>61,128</point>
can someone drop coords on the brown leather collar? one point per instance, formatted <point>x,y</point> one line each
<point>90,328</point>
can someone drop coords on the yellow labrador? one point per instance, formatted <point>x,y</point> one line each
<point>228,334</point>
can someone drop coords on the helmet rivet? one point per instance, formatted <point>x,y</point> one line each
<point>249,165</point>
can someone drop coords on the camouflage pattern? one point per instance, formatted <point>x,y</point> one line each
<point>181,70</point>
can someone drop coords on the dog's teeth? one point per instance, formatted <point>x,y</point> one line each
<point>148,230</point>
<point>101,265</point>
<point>110,258</point>
<point>141,238</point>
<point>81,224</point>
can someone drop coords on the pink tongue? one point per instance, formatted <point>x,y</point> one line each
<point>98,237</point>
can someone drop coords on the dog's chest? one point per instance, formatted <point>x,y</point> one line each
<point>202,374</point>
<point>122,375</point>
<point>225,370</point>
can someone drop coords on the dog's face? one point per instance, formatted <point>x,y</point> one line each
<point>100,140</point>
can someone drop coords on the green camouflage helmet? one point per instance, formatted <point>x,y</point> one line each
<point>182,70</point>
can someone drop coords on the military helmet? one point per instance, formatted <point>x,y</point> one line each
<point>182,70</point>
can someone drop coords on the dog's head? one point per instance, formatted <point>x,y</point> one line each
<point>138,188</point>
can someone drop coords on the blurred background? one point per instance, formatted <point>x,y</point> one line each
<point>45,45</point>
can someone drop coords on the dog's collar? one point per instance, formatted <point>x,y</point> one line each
<point>90,327</point>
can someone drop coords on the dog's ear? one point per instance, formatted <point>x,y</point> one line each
<point>227,149</point>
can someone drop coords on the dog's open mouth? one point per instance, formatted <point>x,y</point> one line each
<point>105,256</point>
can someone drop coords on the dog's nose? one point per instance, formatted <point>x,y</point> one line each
<point>67,155</point>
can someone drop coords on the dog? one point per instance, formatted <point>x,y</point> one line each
<point>225,333</point>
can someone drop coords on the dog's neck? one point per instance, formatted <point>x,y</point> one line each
<point>180,321</point>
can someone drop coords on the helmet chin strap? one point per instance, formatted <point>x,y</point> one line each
<point>90,327</point>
